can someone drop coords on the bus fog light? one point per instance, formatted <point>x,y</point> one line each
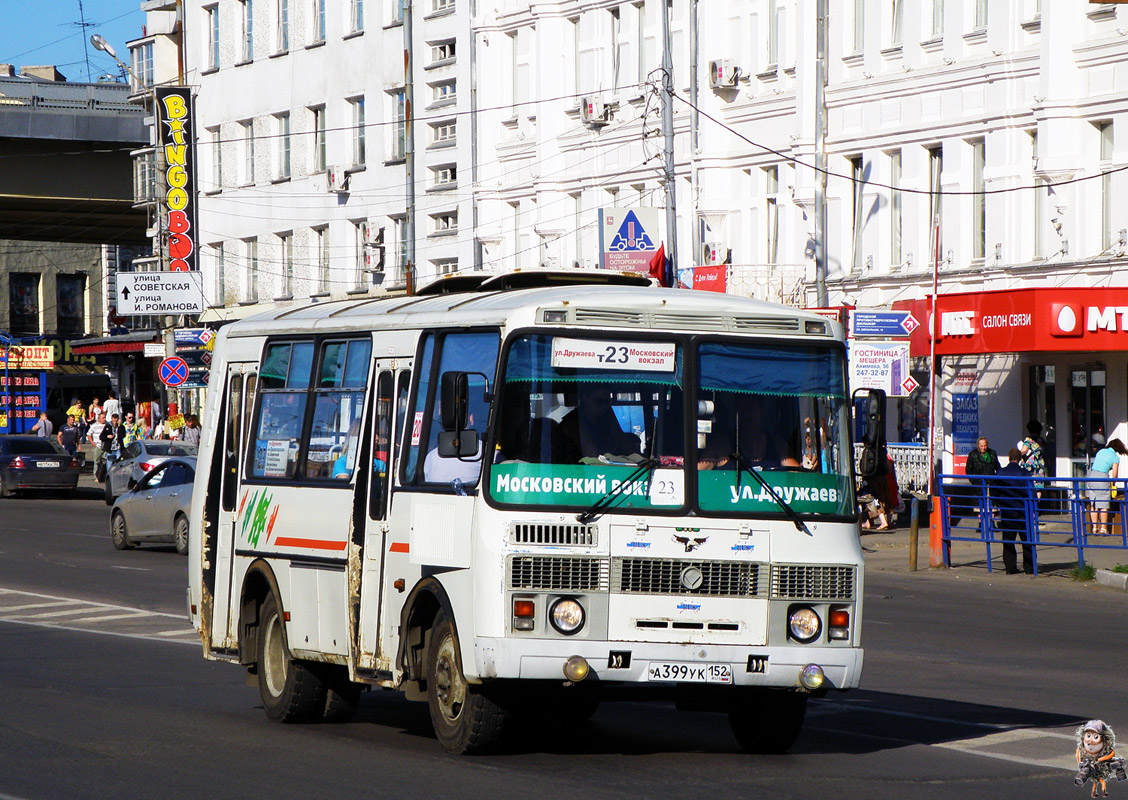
<point>576,668</point>
<point>812,677</point>
<point>567,616</point>
<point>804,624</point>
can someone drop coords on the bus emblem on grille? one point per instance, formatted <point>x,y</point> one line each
<point>690,544</point>
<point>691,578</point>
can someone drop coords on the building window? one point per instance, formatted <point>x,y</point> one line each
<point>895,257</point>
<point>318,20</point>
<point>980,14</point>
<point>442,51</point>
<point>1105,130</point>
<point>640,18</point>
<point>898,22</point>
<point>23,303</point>
<point>937,18</point>
<point>617,46</point>
<point>359,156</point>
<point>251,290</point>
<point>70,303</point>
<point>213,37</point>
<point>282,43</point>
<point>400,226</point>
<point>248,176</point>
<point>446,92</point>
<point>935,203</point>
<point>219,259</point>
<point>442,5</point>
<point>857,185</point>
<point>282,139</point>
<point>360,239</point>
<point>356,16</point>
<point>318,114</point>
<point>286,251</point>
<point>322,235</point>
<point>446,222</point>
<point>775,14</point>
<point>1039,195</point>
<point>398,145</point>
<point>578,229</point>
<point>771,176</point>
<point>446,176</point>
<point>859,25</point>
<point>216,158</point>
<point>248,36</point>
<point>978,201</point>
<point>397,11</point>
<point>445,266</point>
<point>443,132</point>
<point>142,67</point>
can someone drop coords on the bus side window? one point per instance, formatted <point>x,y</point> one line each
<point>381,446</point>
<point>231,442</point>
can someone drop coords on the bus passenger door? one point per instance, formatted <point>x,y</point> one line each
<point>239,398</point>
<point>393,376</point>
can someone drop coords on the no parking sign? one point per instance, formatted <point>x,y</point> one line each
<point>173,371</point>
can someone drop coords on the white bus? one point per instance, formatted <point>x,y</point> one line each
<point>667,500</point>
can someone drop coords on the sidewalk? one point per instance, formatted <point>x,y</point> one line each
<point>888,551</point>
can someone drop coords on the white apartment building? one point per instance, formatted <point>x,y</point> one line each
<point>1000,119</point>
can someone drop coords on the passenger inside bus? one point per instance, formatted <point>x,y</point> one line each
<point>748,426</point>
<point>592,429</point>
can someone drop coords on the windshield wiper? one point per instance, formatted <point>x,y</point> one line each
<point>603,503</point>
<point>744,466</point>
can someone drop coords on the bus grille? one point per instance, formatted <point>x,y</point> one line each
<point>799,582</point>
<point>553,534</point>
<point>675,576</point>
<point>558,574</point>
<point>766,323</point>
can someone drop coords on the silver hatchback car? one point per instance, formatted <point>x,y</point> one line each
<point>155,509</point>
<point>136,459</point>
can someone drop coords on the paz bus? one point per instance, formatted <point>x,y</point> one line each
<point>528,492</point>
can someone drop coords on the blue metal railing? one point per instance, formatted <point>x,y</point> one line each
<point>983,508</point>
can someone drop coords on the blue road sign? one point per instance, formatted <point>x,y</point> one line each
<point>193,337</point>
<point>631,235</point>
<point>882,323</point>
<point>173,371</point>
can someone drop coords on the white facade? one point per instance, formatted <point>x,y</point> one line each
<point>960,96</point>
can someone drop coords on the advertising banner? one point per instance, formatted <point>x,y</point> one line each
<point>965,427</point>
<point>22,396</point>
<point>178,142</point>
<point>708,279</point>
<point>881,365</point>
<point>628,238</point>
<point>36,356</point>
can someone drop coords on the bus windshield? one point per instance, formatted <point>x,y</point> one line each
<point>581,417</point>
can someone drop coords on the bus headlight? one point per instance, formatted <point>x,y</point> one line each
<point>804,624</point>
<point>567,616</point>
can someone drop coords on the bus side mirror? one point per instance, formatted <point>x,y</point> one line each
<point>454,396</point>
<point>874,460</point>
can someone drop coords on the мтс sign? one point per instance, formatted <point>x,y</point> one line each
<point>160,293</point>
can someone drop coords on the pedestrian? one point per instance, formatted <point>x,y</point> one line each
<point>981,461</point>
<point>130,430</point>
<point>1105,465</point>
<point>94,436</point>
<point>1011,496</point>
<point>69,436</point>
<point>112,406</point>
<point>1033,459</point>
<point>94,411</point>
<point>191,433</point>
<point>110,440</point>
<point>44,428</point>
<point>78,411</point>
<point>145,430</point>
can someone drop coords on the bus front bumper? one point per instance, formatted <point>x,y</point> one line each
<point>630,662</point>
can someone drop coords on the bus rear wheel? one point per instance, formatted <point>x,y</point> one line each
<point>767,720</point>
<point>465,719</point>
<point>291,690</point>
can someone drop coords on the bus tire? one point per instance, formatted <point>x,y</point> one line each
<point>341,695</point>
<point>119,532</point>
<point>464,718</point>
<point>291,690</point>
<point>767,720</point>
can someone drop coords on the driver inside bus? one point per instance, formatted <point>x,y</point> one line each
<point>447,469</point>
<point>591,429</point>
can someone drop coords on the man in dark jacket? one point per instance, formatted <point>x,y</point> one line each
<point>982,460</point>
<point>1011,496</point>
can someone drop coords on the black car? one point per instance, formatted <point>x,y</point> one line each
<point>34,462</point>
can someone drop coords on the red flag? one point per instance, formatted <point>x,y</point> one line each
<point>657,266</point>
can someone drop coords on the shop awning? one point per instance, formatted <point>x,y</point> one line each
<point>114,345</point>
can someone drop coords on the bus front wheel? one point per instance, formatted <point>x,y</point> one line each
<point>767,720</point>
<point>465,719</point>
<point>291,691</point>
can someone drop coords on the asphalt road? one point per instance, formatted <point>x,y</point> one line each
<point>973,686</point>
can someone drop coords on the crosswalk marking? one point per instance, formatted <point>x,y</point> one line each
<point>71,614</point>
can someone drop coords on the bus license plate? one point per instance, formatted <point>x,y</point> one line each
<point>689,673</point>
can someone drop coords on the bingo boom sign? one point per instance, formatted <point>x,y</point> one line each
<point>178,143</point>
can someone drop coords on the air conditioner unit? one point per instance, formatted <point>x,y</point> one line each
<point>337,179</point>
<point>714,254</point>
<point>723,73</point>
<point>594,111</point>
<point>372,234</point>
